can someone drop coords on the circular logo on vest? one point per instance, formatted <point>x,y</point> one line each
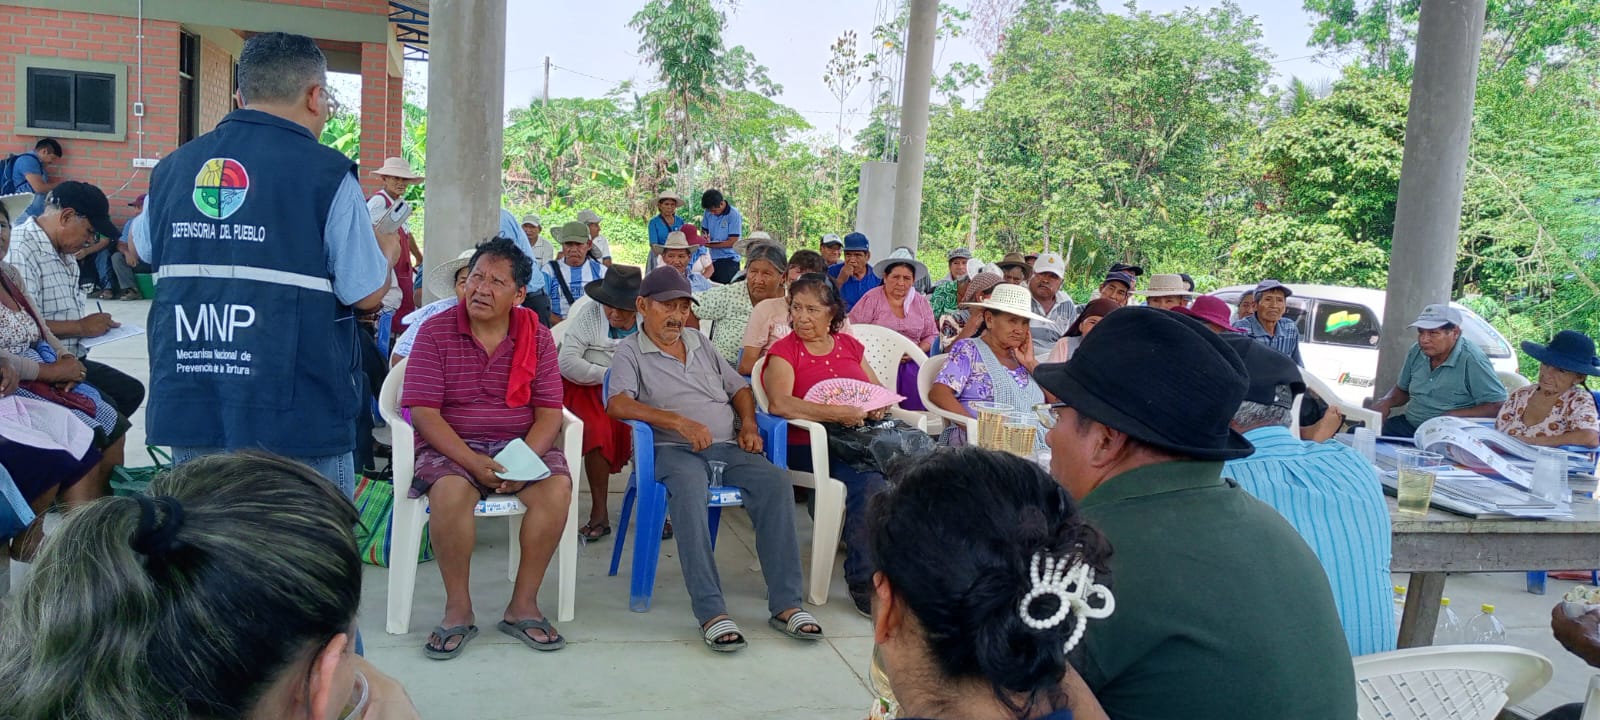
<point>220,187</point>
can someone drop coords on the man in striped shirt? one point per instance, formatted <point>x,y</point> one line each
<point>481,376</point>
<point>1327,491</point>
<point>572,270</point>
<point>1270,325</point>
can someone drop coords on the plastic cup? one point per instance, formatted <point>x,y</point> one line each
<point>1366,443</point>
<point>1418,470</point>
<point>1020,433</point>
<point>1550,476</point>
<point>991,423</point>
<point>359,695</point>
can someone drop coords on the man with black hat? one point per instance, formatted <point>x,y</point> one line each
<point>1326,490</point>
<point>1117,286</point>
<point>603,317</point>
<point>45,250</point>
<point>1442,376</point>
<point>673,378</point>
<point>1223,612</point>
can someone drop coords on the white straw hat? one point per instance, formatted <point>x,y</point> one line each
<point>441,280</point>
<point>397,167</point>
<point>1166,285</point>
<point>1009,299</point>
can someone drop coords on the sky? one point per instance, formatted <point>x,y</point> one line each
<point>592,49</point>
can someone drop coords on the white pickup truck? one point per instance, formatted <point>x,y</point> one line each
<point>1339,329</point>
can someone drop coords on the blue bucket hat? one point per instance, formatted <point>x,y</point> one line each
<point>1569,350</point>
<point>856,242</point>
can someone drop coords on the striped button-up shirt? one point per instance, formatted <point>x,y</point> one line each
<point>50,277</point>
<point>564,279</point>
<point>1332,497</point>
<point>1285,337</point>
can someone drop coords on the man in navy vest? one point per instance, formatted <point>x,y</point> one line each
<point>266,252</point>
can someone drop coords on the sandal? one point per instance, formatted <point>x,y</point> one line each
<point>520,628</point>
<point>594,531</point>
<point>438,652</point>
<point>797,620</point>
<point>718,629</point>
<point>130,295</point>
<point>666,530</point>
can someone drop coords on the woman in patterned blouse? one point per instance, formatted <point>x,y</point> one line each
<point>1557,409</point>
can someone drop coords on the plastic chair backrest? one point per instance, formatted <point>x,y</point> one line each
<point>389,398</point>
<point>925,377</point>
<point>1512,380</point>
<point>758,384</point>
<point>558,331</point>
<point>1460,682</point>
<point>884,348</point>
<point>1591,704</point>
<point>1356,413</point>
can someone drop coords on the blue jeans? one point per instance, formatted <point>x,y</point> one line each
<point>340,469</point>
<point>859,487</point>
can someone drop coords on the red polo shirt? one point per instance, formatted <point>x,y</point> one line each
<point>449,370</point>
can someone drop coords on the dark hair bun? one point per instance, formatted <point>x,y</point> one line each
<point>955,537</point>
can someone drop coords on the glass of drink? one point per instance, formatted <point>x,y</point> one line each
<point>991,423</point>
<point>1020,433</point>
<point>1418,470</point>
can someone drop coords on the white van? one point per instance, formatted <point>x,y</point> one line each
<point>1339,329</point>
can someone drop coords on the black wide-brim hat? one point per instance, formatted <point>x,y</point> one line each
<point>1569,350</point>
<point>618,289</point>
<point>1162,378</point>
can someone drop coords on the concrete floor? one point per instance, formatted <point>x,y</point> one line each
<point>621,664</point>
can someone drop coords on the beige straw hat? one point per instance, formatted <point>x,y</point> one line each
<point>1009,299</point>
<point>397,167</point>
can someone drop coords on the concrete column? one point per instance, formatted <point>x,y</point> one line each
<point>875,206</point>
<point>466,127</point>
<point>1432,173</point>
<point>374,111</point>
<point>914,124</point>
<point>396,117</point>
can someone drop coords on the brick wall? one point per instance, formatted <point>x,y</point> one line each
<point>78,36</point>
<point>216,85</point>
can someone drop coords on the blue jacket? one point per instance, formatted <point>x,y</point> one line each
<point>249,345</point>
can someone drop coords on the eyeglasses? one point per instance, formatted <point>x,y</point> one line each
<point>1048,413</point>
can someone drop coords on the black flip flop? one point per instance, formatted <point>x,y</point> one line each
<point>520,628</point>
<point>465,632</point>
<point>591,532</point>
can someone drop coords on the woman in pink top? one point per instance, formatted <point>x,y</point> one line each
<point>898,306</point>
<point>895,305</point>
<point>814,352</point>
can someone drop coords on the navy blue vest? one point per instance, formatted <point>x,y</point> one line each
<point>249,346</point>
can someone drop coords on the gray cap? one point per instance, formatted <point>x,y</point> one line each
<point>1437,316</point>
<point>959,253</point>
<point>665,284</point>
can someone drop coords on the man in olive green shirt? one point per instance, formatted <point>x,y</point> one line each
<point>1222,611</point>
<point>1443,375</point>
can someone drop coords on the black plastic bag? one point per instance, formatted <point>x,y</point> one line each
<point>875,446</point>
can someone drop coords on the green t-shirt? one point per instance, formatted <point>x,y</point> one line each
<point>1464,379</point>
<point>1222,610</point>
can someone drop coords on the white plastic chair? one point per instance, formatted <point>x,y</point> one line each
<point>558,332</point>
<point>1454,682</point>
<point>1591,704</point>
<point>409,514</point>
<point>884,348</point>
<point>828,519</point>
<point>1369,418</point>
<point>1512,380</point>
<point>925,377</point>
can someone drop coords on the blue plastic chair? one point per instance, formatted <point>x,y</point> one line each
<point>652,501</point>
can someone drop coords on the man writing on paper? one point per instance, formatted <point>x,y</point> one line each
<point>482,376</point>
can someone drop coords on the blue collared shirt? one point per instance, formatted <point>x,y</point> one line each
<point>1332,497</point>
<point>852,288</point>
<point>659,229</point>
<point>1285,337</point>
<point>511,229</point>
<point>720,228</point>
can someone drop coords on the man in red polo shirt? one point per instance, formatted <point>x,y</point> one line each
<point>481,375</point>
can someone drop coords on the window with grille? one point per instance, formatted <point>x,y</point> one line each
<point>71,100</point>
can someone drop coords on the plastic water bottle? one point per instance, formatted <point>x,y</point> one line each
<point>1486,629</point>
<point>1448,631</point>
<point>1399,603</point>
